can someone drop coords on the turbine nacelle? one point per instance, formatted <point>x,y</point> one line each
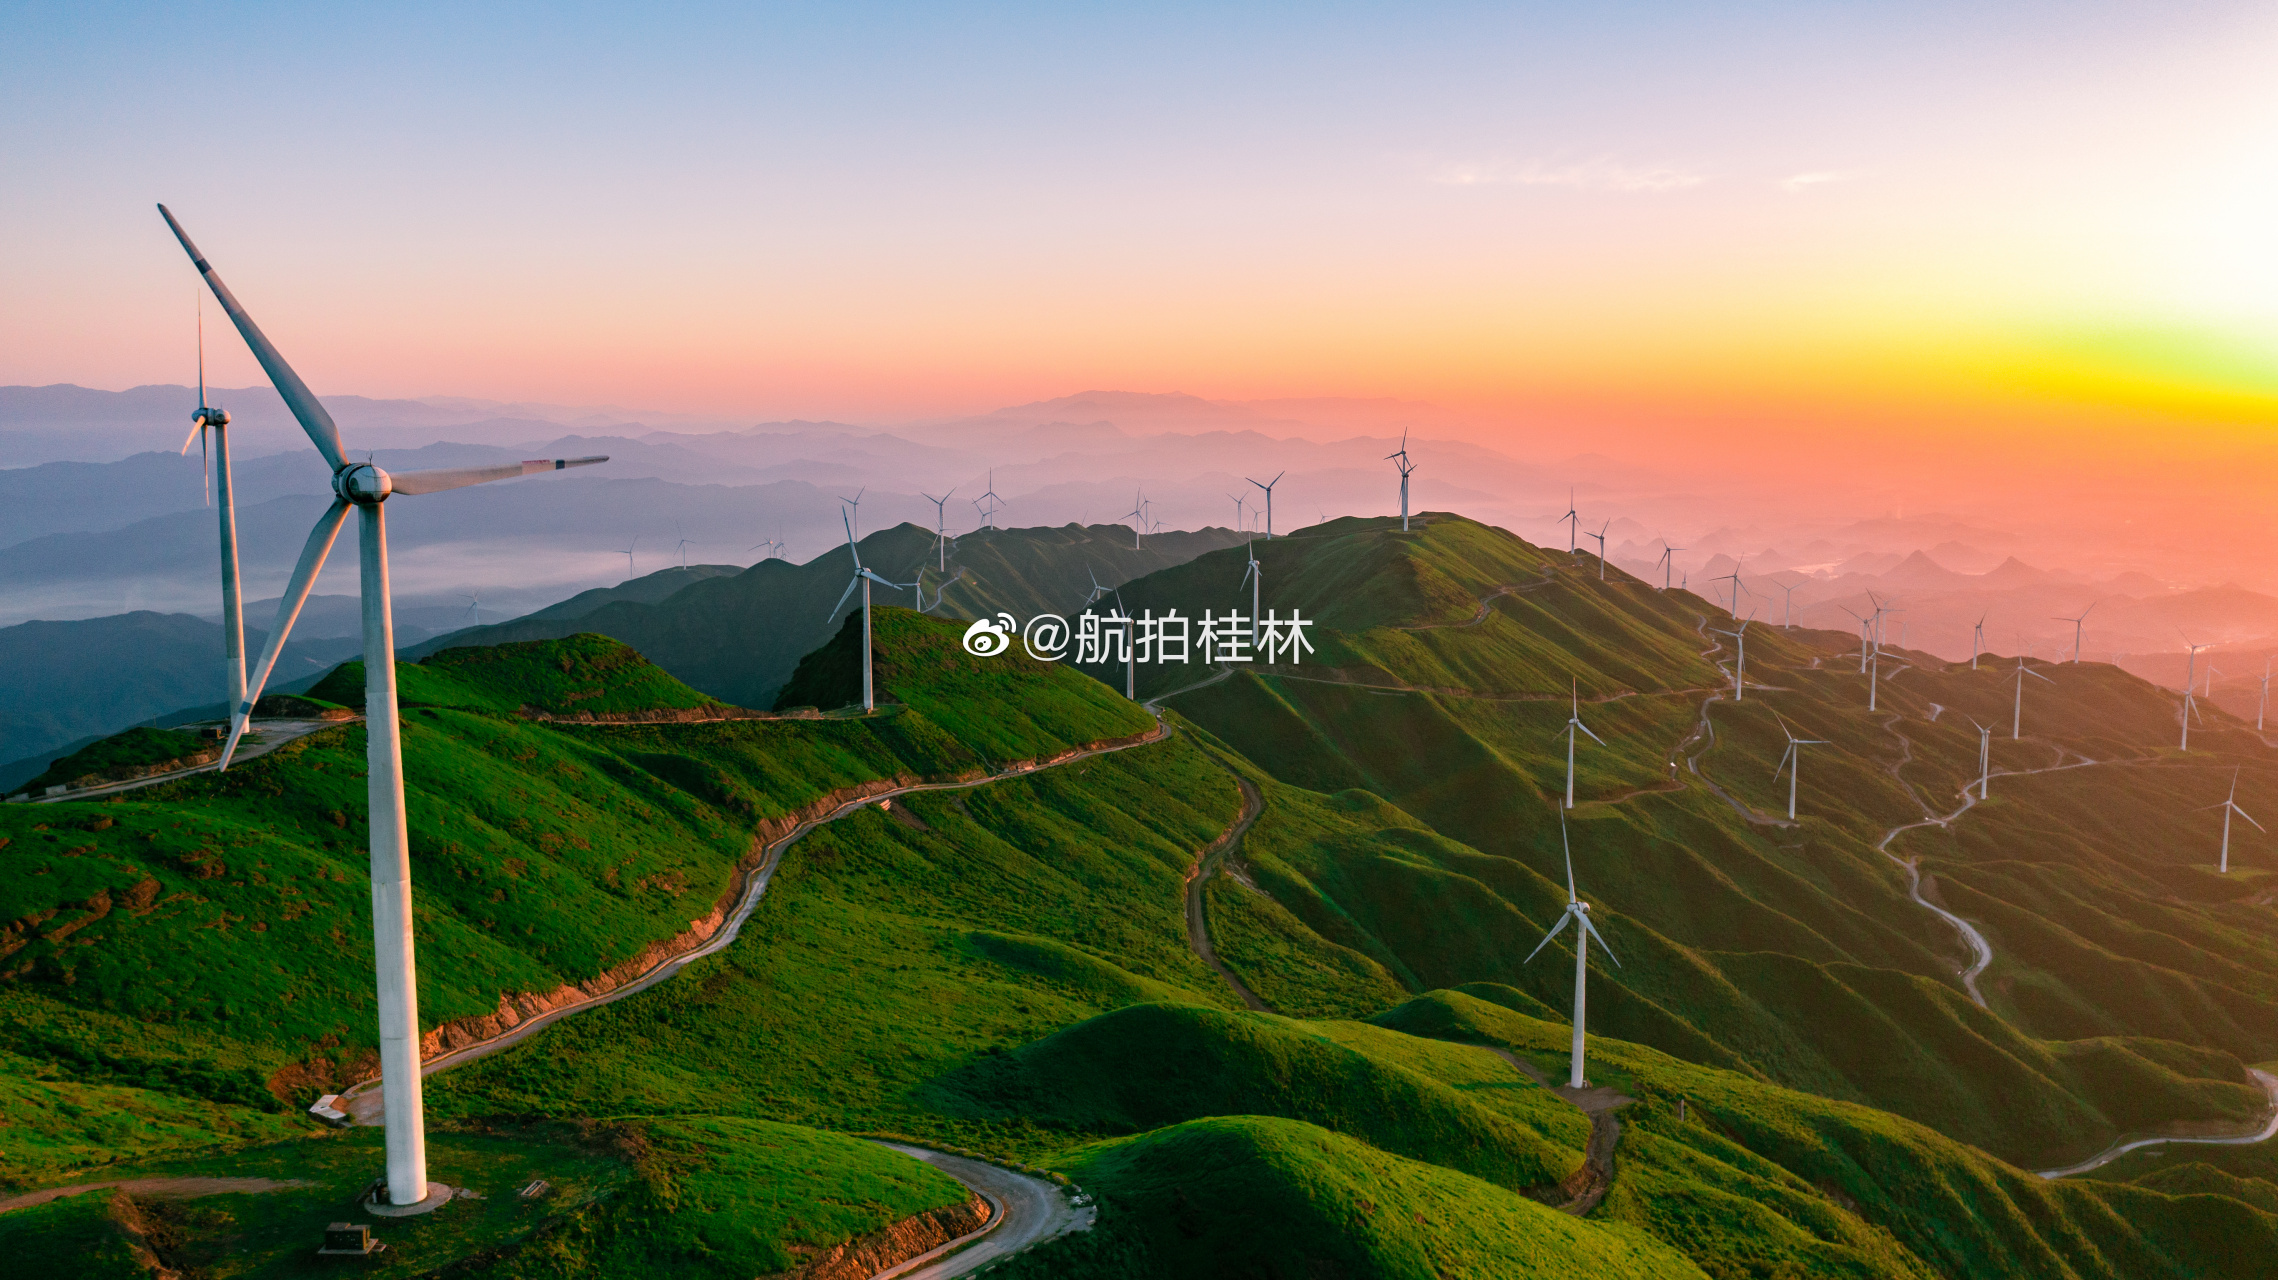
<point>207,416</point>
<point>363,484</point>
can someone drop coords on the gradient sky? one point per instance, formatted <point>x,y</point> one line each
<point>1952,225</point>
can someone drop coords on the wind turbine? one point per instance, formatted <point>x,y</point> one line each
<point>629,555</point>
<point>363,488</point>
<point>1097,589</point>
<point>862,578</point>
<point>1577,912</point>
<point>1400,459</point>
<point>1794,756</point>
<point>1574,725</point>
<point>1788,607</point>
<point>1668,565</point>
<point>1573,521</point>
<point>1737,587</point>
<point>941,526</point>
<point>1268,487</point>
<point>1875,678</point>
<point>682,547</point>
<point>2077,628</point>
<point>1256,578</point>
<point>1138,518</point>
<point>474,610</point>
<point>2190,677</point>
<point>989,513</point>
<point>1856,617</point>
<point>208,427</point>
<point>1239,503</point>
<point>1740,669</point>
<point>1977,641</point>
<point>2017,711</point>
<point>1600,535</point>
<point>2229,806</point>
<point>1984,761</point>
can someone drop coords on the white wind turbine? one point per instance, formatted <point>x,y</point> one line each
<point>1874,679</point>
<point>1600,535</point>
<point>1977,641</point>
<point>862,578</point>
<point>1138,518</point>
<point>1794,756</point>
<point>682,547</point>
<point>1577,912</point>
<point>1255,578</point>
<point>1268,487</point>
<point>2017,710</point>
<point>940,527</point>
<point>1574,726</point>
<point>209,426</point>
<point>1668,565</point>
<point>1740,668</point>
<point>2077,628</point>
<point>1573,521</point>
<point>1239,504</point>
<point>1407,468</point>
<point>2190,677</point>
<point>474,609</point>
<point>2229,806</point>
<point>1737,587</point>
<point>1788,606</point>
<point>1984,761</point>
<point>989,512</point>
<point>1863,632</point>
<point>363,488</point>
<point>629,572</point>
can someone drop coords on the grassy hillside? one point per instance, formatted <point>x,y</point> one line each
<point>1002,964</point>
<point>739,637</point>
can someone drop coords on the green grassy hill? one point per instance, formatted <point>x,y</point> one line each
<point>740,636</point>
<point>1001,964</point>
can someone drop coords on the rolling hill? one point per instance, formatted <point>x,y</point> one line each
<point>1807,1084</point>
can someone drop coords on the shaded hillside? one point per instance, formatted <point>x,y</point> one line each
<point>740,637</point>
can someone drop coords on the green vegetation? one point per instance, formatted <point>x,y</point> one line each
<point>137,748</point>
<point>1254,1196</point>
<point>999,961</point>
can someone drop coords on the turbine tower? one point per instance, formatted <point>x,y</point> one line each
<point>1137,515</point>
<point>363,488</point>
<point>629,555</point>
<point>1740,668</point>
<point>1255,579</point>
<point>209,426</point>
<point>1573,521</point>
<point>1984,761</point>
<point>1577,912</point>
<point>1268,487</point>
<point>2229,806</point>
<point>1600,535</point>
<point>2017,710</point>
<point>1793,756</point>
<point>1668,565</point>
<point>1574,725</point>
<point>1407,468</point>
<point>2190,677</point>
<point>1239,504</point>
<point>1788,605</point>
<point>989,512</point>
<point>862,578</point>
<point>941,528</point>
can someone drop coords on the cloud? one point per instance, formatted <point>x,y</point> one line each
<point>1799,183</point>
<point>1601,174</point>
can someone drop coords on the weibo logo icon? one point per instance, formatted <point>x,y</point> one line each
<point>990,637</point>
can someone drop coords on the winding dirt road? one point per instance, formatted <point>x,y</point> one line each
<point>1206,865</point>
<point>2267,1130</point>
<point>1024,1211</point>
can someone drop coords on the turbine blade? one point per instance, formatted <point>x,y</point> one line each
<point>1568,845</point>
<point>851,584</point>
<point>1563,918</point>
<point>319,546</point>
<point>1586,729</point>
<point>2249,817</point>
<point>302,401</point>
<point>191,438</point>
<point>445,478</point>
<point>1592,931</point>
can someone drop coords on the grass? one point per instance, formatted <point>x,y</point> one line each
<point>1260,1196</point>
<point>135,748</point>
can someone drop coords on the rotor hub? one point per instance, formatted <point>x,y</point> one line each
<point>363,484</point>
<point>207,417</point>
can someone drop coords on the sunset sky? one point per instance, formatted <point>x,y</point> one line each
<point>1994,226</point>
